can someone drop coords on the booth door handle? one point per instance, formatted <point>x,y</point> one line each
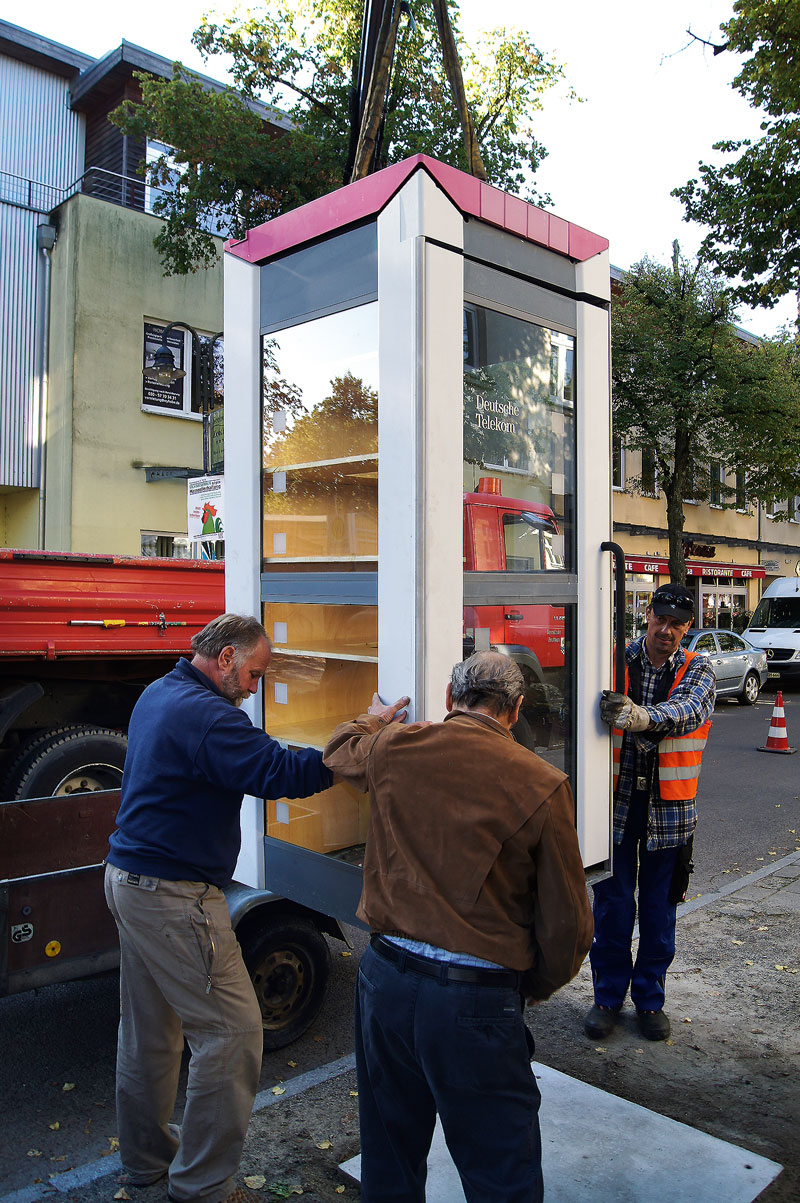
<point>513,616</point>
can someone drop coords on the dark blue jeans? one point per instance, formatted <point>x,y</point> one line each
<point>422,1047</point>
<point>613,967</point>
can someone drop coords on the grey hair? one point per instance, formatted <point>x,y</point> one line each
<point>228,630</point>
<point>487,679</point>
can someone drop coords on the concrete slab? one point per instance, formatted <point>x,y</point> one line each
<point>597,1146</point>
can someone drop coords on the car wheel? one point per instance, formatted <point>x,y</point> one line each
<point>289,965</point>
<point>750,690</point>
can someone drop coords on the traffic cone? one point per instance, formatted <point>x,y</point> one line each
<point>777,740</point>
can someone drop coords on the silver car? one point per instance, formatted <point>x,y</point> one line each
<point>740,669</point>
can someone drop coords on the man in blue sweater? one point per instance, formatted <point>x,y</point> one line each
<point>192,755</point>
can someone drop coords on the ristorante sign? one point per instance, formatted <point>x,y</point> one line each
<point>660,567</point>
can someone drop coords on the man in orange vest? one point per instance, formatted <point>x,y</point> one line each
<point>660,724</point>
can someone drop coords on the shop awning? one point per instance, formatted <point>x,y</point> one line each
<point>660,567</point>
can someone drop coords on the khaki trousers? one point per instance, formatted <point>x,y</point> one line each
<point>182,975</point>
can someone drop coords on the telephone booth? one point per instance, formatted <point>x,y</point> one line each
<point>417,450</point>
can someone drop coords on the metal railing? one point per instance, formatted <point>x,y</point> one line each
<point>131,192</point>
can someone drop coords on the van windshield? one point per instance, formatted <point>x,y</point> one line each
<point>777,612</point>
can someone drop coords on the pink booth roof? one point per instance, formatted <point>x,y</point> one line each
<point>367,197</point>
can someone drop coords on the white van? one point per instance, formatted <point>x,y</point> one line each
<point>775,626</point>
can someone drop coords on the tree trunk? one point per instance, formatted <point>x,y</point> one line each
<point>452,66</point>
<point>675,520</point>
<point>377,91</point>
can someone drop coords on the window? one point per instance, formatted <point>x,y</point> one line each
<point>617,462</point>
<point>716,484</point>
<point>732,643</point>
<point>649,473</point>
<point>741,494</point>
<point>706,643</point>
<point>794,509</point>
<point>170,546</point>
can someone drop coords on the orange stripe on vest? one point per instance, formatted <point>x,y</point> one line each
<point>679,756</point>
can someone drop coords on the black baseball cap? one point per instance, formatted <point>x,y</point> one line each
<point>676,600</point>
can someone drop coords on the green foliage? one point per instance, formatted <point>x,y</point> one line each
<point>752,202</point>
<point>298,58</point>
<point>687,387</point>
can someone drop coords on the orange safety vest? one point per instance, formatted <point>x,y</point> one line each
<point>679,756</point>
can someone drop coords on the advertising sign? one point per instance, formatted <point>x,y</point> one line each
<point>205,507</point>
<point>158,394</point>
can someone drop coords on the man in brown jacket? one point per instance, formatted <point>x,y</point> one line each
<point>475,894</point>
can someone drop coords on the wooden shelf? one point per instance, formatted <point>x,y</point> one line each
<point>329,651</point>
<point>348,461</point>
<point>341,559</point>
<point>313,733</point>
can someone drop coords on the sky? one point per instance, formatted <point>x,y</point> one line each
<point>653,104</point>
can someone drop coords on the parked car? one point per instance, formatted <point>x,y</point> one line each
<point>740,669</point>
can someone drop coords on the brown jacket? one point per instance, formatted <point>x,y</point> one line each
<point>471,844</point>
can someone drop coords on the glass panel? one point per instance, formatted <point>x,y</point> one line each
<point>519,436</point>
<point>320,389</point>
<point>320,513</point>
<point>546,720</point>
<point>323,276</point>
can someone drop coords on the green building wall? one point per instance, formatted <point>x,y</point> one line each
<point>107,281</point>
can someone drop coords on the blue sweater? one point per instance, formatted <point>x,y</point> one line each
<point>192,755</point>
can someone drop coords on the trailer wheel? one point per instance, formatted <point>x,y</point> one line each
<point>289,965</point>
<point>68,760</point>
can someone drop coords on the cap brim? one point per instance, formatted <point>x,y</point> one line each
<point>676,611</point>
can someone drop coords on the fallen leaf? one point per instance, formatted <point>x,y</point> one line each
<point>353,1094</point>
<point>293,1064</point>
<point>686,1019</point>
<point>324,1144</point>
<point>68,1086</point>
<point>279,1090</point>
<point>762,928</point>
<point>749,962</point>
<point>255,1181</point>
<point>113,1143</point>
<point>346,953</point>
<point>62,1158</point>
<point>780,966</point>
<point>600,1049</point>
<point>759,858</point>
<point>318,1039</point>
<point>54,1127</point>
<point>737,941</point>
<point>122,1193</point>
<point>34,1153</point>
<point>339,1190</point>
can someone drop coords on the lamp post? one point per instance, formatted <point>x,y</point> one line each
<point>165,372</point>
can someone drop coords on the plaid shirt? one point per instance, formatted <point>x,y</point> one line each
<point>669,824</point>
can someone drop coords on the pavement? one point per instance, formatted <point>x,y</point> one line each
<point>711,1114</point>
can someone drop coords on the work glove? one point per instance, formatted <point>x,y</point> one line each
<point>619,711</point>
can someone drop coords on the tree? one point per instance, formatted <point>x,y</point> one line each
<point>691,391</point>
<point>752,203</point>
<point>233,170</point>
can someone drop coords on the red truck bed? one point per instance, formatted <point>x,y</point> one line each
<point>156,604</point>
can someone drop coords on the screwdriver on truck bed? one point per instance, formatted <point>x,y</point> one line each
<point>160,622</point>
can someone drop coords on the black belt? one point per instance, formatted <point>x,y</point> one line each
<point>443,970</point>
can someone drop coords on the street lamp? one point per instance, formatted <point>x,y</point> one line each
<point>165,372</point>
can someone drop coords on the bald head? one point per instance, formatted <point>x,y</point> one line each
<point>487,681</point>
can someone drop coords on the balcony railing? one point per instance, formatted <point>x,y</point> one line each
<point>131,192</point>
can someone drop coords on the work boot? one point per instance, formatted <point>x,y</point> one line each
<point>654,1025</point>
<point>600,1022</point>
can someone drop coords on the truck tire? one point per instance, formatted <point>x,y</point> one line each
<point>289,964</point>
<point>68,760</point>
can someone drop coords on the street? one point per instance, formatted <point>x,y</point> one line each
<point>57,1045</point>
